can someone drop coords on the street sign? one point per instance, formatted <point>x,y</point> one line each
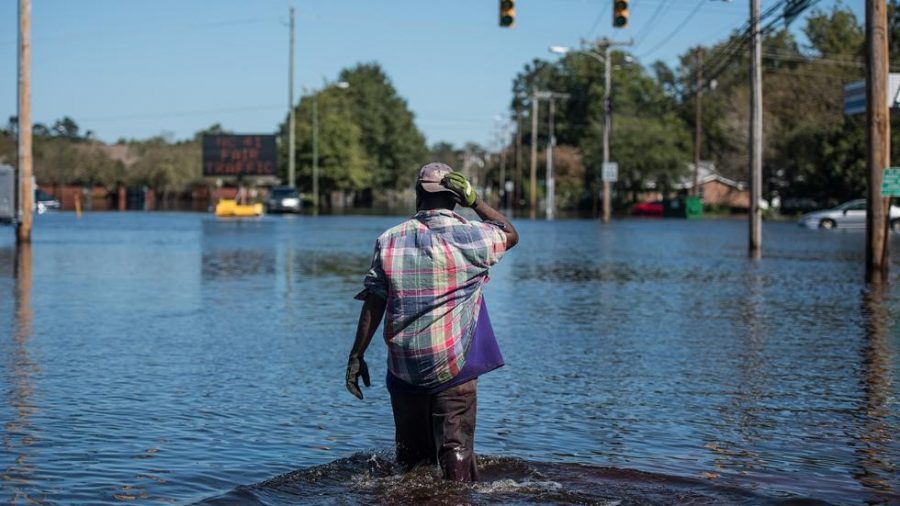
<point>855,95</point>
<point>610,172</point>
<point>890,182</point>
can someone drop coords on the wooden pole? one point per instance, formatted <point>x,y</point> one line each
<point>502,189</point>
<point>26,192</point>
<point>534,127</point>
<point>315,154</point>
<point>756,113</point>
<point>878,130</point>
<point>550,199</point>
<point>292,171</point>
<point>517,180</point>
<point>607,125</point>
<point>698,123</point>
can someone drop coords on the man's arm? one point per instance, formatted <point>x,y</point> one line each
<point>465,195</point>
<point>488,213</point>
<point>369,318</point>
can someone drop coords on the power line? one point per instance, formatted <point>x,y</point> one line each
<point>677,29</point>
<point>646,28</point>
<point>606,7</point>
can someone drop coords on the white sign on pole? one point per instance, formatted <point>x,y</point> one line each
<point>610,172</point>
<point>855,95</point>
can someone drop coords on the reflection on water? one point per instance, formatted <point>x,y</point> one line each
<point>19,436</point>
<point>877,467</point>
<point>183,358</point>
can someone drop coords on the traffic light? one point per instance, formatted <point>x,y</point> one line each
<point>507,13</point>
<point>620,13</point>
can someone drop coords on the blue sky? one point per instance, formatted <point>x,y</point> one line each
<point>138,68</point>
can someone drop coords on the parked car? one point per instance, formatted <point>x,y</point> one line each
<point>850,214</point>
<point>44,202</point>
<point>647,209</point>
<point>283,199</point>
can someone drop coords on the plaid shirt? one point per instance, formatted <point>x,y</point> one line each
<point>431,270</point>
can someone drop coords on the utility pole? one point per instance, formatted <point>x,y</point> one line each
<point>878,130</point>
<point>698,122</point>
<point>26,192</point>
<point>551,185</point>
<point>756,133</point>
<point>502,189</point>
<point>534,127</point>
<point>550,201</point>
<point>607,124</point>
<point>315,146</point>
<point>606,45</point>
<point>292,170</point>
<point>517,182</point>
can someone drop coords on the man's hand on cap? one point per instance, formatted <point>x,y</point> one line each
<point>459,185</point>
<point>357,367</point>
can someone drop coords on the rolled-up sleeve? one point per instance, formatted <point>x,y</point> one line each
<point>375,281</point>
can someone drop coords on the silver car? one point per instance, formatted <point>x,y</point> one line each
<point>283,200</point>
<point>850,214</point>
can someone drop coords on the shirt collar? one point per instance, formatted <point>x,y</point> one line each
<point>436,214</point>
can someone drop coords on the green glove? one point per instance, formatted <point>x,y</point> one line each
<point>458,183</point>
<point>356,368</point>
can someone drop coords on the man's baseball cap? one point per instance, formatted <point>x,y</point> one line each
<point>431,175</point>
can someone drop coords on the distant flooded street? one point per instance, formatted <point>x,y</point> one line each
<point>174,358</point>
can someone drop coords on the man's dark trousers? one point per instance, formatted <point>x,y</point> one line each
<point>438,429</point>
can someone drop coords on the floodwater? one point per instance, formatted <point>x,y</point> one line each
<point>160,358</point>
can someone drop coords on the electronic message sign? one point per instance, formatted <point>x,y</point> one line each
<point>239,155</point>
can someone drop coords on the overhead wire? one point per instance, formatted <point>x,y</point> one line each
<point>725,57</point>
<point>600,17</point>
<point>646,28</point>
<point>677,29</point>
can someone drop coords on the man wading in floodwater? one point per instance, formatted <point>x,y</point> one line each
<point>428,273</point>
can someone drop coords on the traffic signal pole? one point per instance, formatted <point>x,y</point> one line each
<point>878,134</point>
<point>26,191</point>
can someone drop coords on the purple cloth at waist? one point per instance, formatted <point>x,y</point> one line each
<point>483,357</point>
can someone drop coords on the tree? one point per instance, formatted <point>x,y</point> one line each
<point>394,147</point>
<point>66,128</point>
<point>342,158</point>
<point>649,139</point>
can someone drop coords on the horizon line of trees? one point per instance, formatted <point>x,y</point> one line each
<point>370,146</point>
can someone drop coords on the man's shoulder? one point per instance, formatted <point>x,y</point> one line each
<point>398,230</point>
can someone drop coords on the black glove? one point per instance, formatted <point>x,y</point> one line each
<point>357,367</point>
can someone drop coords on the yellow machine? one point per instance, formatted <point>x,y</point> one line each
<point>228,208</point>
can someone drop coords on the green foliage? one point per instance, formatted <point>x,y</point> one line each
<point>836,34</point>
<point>651,151</point>
<point>368,139</point>
<point>342,159</point>
<point>394,147</point>
<point>165,166</point>
<point>649,140</point>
